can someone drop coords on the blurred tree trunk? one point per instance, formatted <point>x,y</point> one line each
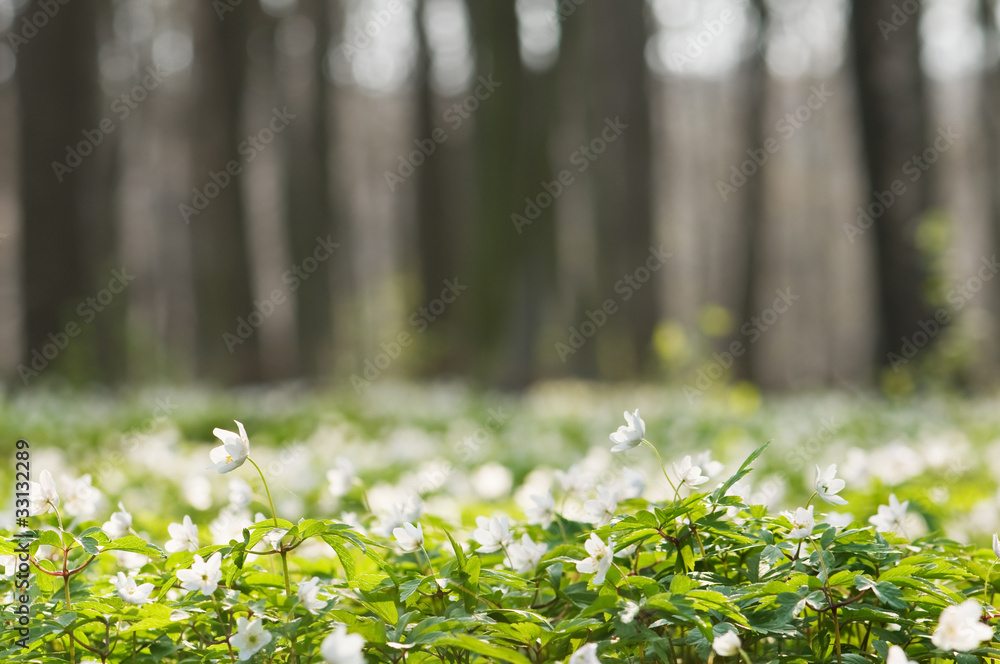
<point>751,213</point>
<point>535,280</point>
<point>436,233</point>
<point>308,191</point>
<point>498,255</point>
<point>890,89</point>
<point>220,252</point>
<point>570,127</point>
<point>67,195</point>
<point>619,109</point>
<point>989,107</point>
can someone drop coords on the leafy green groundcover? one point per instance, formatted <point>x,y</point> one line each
<point>702,577</point>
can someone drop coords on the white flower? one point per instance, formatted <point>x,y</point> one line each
<point>890,517</point>
<point>130,592</point>
<point>960,627</point>
<point>229,525</point>
<point>197,490</point>
<point>585,654</point>
<point>803,522</point>
<point>727,645</point>
<point>602,509</point>
<point>629,485</point>
<point>340,477</point>
<point>274,536</point>
<point>707,464</point>
<point>309,595</point>
<point>130,560</point>
<point>629,613</point>
<point>838,519</point>
<point>525,555</point>
<point>234,450</point>
<point>399,512</point>
<point>492,481</point>
<point>688,473</point>
<point>43,495</point>
<point>996,545</point>
<point>574,480</point>
<point>184,536</point>
<point>897,656</point>
<point>544,510</point>
<point>410,537</point>
<point>9,565</point>
<point>203,575</point>
<point>80,497</point>
<point>492,534</point>
<point>119,524</point>
<point>339,647</point>
<point>240,493</point>
<point>250,637</point>
<point>629,435</point>
<point>599,561</point>
<point>828,485</point>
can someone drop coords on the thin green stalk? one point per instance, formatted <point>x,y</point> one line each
<point>66,593</point>
<point>225,626</point>
<point>662,467</point>
<point>294,657</point>
<point>274,514</point>
<point>986,585</point>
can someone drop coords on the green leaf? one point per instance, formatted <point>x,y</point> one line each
<point>740,474</point>
<point>344,556</point>
<point>89,545</point>
<point>135,545</point>
<point>484,648</point>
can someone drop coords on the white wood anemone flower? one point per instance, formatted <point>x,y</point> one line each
<point>203,575</point>
<point>130,592</point>
<point>629,435</point>
<point>727,645</point>
<point>410,537</point>
<point>341,647</point>
<point>828,485</point>
<point>233,452</point>
<point>250,637</point>
<point>600,559</point>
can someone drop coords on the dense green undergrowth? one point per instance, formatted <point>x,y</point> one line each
<point>629,561</point>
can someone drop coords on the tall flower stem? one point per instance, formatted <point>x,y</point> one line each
<point>281,550</point>
<point>662,468</point>
<point>260,472</point>
<point>66,576</point>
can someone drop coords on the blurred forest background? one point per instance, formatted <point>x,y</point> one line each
<point>235,191</point>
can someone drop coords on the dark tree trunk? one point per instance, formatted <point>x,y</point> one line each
<point>496,254</point>
<point>989,105</point>
<point>220,253</point>
<point>890,86</point>
<point>435,231</point>
<point>67,194</point>
<point>308,193</point>
<point>751,201</point>
<point>620,106</point>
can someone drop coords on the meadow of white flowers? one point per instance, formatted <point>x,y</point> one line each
<point>428,525</point>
